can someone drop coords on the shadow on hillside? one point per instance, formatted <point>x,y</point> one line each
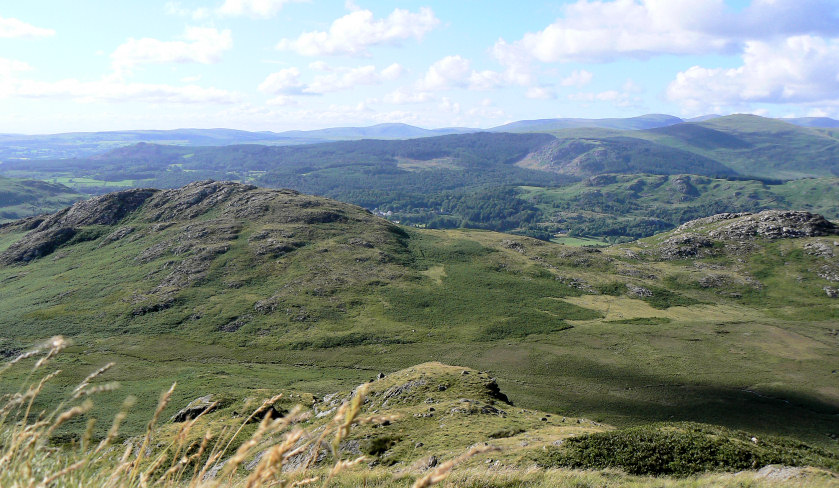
<point>623,396</point>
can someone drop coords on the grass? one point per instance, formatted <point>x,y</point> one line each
<point>361,296</point>
<point>375,435</point>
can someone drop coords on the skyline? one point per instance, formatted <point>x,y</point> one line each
<point>291,64</point>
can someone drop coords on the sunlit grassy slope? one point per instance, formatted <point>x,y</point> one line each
<point>228,288</point>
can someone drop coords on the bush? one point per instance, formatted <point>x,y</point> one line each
<point>682,450</point>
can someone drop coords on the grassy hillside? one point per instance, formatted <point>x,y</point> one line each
<point>230,288</point>
<point>23,198</point>
<point>618,207</point>
<point>751,145</point>
<point>424,425</point>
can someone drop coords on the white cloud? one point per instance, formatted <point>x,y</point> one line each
<point>626,97</point>
<point>540,92</point>
<point>449,72</point>
<point>578,78</point>
<point>283,101</point>
<point>346,78</point>
<point>8,67</point>
<point>261,9</point>
<point>254,8</point>
<point>800,69</point>
<point>404,95</point>
<point>447,105</point>
<point>286,81</point>
<point>606,30</point>
<point>456,72</point>
<point>10,28</point>
<point>200,45</point>
<point>355,32</point>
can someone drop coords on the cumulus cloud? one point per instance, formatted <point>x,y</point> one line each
<point>254,8</point>
<point>287,81</point>
<point>200,45</point>
<point>10,28</point>
<point>449,72</point>
<point>355,32</point>
<point>9,67</point>
<point>457,72</point>
<point>260,9</point>
<point>577,78</point>
<point>345,79</point>
<point>627,96</point>
<point>799,69</point>
<point>540,93</point>
<point>606,30</point>
<point>405,95</point>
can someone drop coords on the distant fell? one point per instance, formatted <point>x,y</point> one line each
<point>633,123</point>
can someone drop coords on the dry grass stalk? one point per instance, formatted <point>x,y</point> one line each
<point>444,470</point>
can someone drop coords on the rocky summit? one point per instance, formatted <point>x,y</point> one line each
<point>739,230</point>
<point>229,203</point>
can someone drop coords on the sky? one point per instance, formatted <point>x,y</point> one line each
<point>275,65</point>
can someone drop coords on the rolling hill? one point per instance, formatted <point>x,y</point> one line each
<point>632,123</point>
<point>623,207</point>
<point>229,287</point>
<point>23,198</point>
<point>473,180</point>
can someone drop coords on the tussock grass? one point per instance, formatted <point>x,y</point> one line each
<point>30,457</point>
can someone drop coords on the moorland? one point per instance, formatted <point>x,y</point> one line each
<point>709,322</point>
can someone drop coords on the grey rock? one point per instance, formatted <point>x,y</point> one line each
<point>201,405</point>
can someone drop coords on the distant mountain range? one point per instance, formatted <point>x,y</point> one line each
<point>84,144</point>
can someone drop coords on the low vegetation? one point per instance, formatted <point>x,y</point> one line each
<point>380,434</point>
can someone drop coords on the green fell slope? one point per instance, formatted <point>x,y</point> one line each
<point>229,287</point>
<point>23,198</point>
<point>634,206</point>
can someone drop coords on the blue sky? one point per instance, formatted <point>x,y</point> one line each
<point>294,64</point>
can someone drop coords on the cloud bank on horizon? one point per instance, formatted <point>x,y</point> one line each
<point>297,64</point>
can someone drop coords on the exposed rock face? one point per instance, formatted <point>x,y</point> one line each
<point>58,228</point>
<point>684,245</point>
<point>696,238</point>
<point>204,404</point>
<point>776,224</point>
<point>230,205</point>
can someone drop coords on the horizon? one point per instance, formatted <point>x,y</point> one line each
<point>279,65</point>
<point>684,120</point>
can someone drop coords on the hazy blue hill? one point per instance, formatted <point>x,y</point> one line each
<point>380,131</point>
<point>824,122</point>
<point>85,144</point>
<point>632,123</point>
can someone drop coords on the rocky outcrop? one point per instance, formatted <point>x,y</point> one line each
<point>199,406</point>
<point>226,204</point>
<point>776,224</point>
<point>685,245</point>
<point>736,231</point>
<point>57,229</point>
